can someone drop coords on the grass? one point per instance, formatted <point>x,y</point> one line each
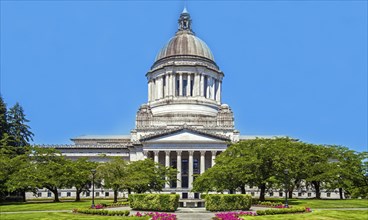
<point>327,203</point>
<point>42,206</point>
<point>62,216</point>
<point>317,215</point>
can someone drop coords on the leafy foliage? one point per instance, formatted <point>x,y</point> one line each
<point>228,202</point>
<point>154,202</point>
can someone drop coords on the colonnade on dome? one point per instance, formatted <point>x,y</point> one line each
<point>184,85</point>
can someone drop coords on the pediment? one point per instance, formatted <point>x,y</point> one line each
<point>185,135</point>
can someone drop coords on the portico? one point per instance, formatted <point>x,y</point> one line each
<point>187,162</point>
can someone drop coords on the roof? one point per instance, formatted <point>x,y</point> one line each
<point>96,137</point>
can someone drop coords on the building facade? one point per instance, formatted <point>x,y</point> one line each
<point>184,123</point>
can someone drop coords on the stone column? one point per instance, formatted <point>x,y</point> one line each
<point>219,91</point>
<point>149,90</point>
<point>156,156</point>
<point>202,161</point>
<point>180,84</point>
<point>208,88</point>
<point>153,97</point>
<point>196,85</point>
<point>145,154</point>
<point>213,157</point>
<point>178,168</point>
<point>201,88</point>
<point>188,85</point>
<point>167,164</point>
<point>169,84</point>
<point>166,86</point>
<point>173,81</point>
<point>161,87</point>
<point>190,171</point>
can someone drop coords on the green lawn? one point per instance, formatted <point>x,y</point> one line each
<point>327,203</point>
<point>317,215</point>
<point>61,215</point>
<point>41,206</point>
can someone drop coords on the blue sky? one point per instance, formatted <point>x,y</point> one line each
<point>296,68</point>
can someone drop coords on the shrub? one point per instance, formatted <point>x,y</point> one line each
<point>282,211</point>
<point>228,202</point>
<point>154,202</point>
<point>102,212</point>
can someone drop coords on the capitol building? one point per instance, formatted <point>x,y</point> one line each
<point>184,123</point>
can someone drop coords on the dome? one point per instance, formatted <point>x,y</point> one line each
<point>185,43</point>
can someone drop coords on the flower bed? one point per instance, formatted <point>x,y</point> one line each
<point>157,215</point>
<point>232,215</point>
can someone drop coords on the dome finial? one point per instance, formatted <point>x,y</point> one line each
<point>185,23</point>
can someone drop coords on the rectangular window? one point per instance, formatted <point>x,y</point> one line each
<point>39,194</point>
<point>177,88</point>
<point>184,182</point>
<point>309,194</point>
<point>88,194</point>
<point>252,193</point>
<point>185,84</point>
<point>185,166</point>
<point>328,194</point>
<point>185,195</point>
<point>191,88</point>
<point>205,86</point>
<point>271,193</point>
<point>196,195</point>
<point>107,194</point>
<point>196,166</point>
<point>48,194</point>
<point>97,193</point>
<point>59,194</point>
<point>68,194</point>
<point>280,194</point>
<point>299,194</point>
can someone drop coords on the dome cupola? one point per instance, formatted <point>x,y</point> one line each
<point>185,43</point>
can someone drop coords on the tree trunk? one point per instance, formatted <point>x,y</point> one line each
<point>56,195</point>
<point>129,191</point>
<point>115,196</point>
<point>23,192</point>
<point>291,193</point>
<point>340,192</point>
<point>263,192</point>
<point>77,197</point>
<point>231,191</point>
<point>242,188</point>
<point>316,185</point>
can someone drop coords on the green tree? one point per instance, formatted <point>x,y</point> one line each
<point>19,131</point>
<point>80,177</point>
<point>4,127</point>
<point>114,175</point>
<point>47,169</point>
<point>146,175</point>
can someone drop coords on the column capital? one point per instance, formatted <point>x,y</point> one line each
<point>214,152</point>
<point>190,153</point>
<point>156,152</point>
<point>145,153</point>
<point>203,152</point>
<point>167,152</point>
<point>178,152</point>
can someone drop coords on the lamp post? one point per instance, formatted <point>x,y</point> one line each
<point>286,172</point>
<point>93,188</point>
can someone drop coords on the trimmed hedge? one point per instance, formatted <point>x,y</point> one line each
<point>228,202</point>
<point>102,212</point>
<point>281,211</point>
<point>154,202</point>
